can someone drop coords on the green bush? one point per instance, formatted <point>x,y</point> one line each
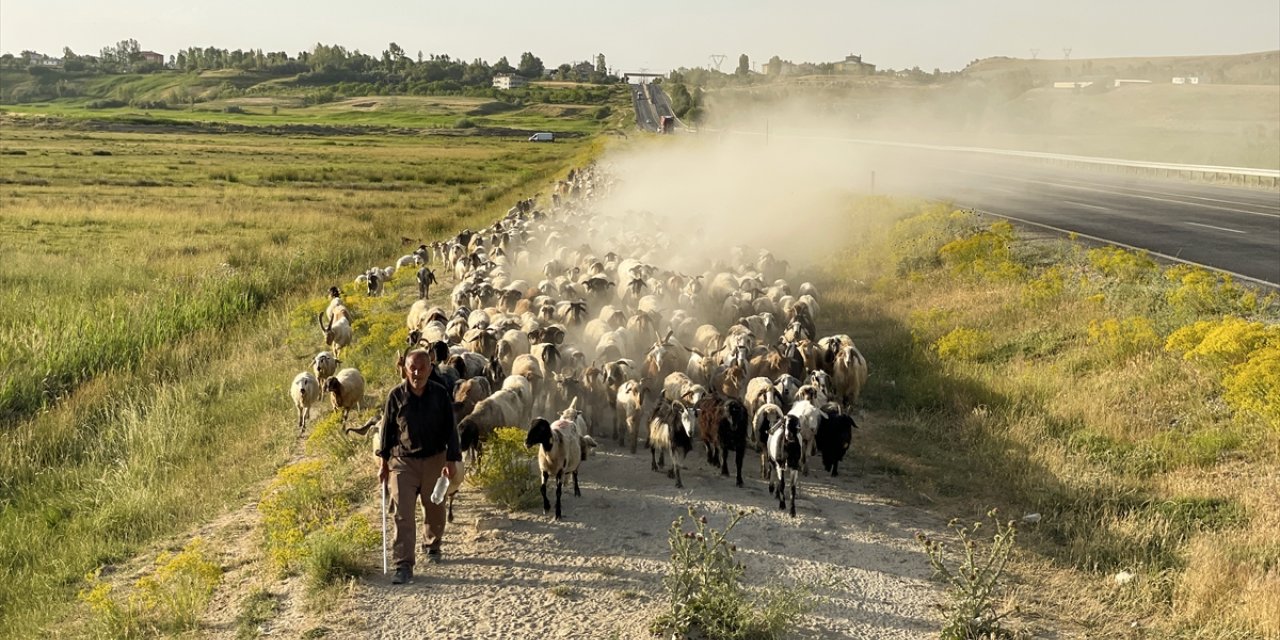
<point>507,473</point>
<point>464,123</point>
<point>705,594</point>
<point>334,553</point>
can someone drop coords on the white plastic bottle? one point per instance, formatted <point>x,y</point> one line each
<point>442,487</point>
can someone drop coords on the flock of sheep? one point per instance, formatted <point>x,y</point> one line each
<point>569,312</point>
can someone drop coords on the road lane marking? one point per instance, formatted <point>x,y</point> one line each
<point>1116,193</point>
<point>1087,205</point>
<point>1209,226</point>
<point>1267,206</point>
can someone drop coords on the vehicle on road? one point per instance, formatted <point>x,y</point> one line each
<point>543,136</point>
<point>666,124</point>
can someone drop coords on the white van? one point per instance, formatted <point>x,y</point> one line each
<point>544,136</point>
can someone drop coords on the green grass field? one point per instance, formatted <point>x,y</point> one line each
<point>151,277</point>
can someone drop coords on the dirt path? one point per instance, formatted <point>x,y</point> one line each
<point>598,573</point>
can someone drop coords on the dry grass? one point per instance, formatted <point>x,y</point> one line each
<point>1136,459</point>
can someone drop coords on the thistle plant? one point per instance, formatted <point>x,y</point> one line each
<point>975,582</point>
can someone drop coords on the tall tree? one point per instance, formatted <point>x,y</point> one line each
<point>530,65</point>
<point>744,65</point>
<point>502,66</point>
<point>600,66</point>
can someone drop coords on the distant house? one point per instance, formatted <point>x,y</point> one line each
<point>854,65</point>
<point>508,81</point>
<point>152,57</point>
<point>1072,85</point>
<point>1119,82</point>
<point>41,60</point>
<point>780,68</point>
<point>1186,80</point>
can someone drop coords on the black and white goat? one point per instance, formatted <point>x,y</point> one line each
<point>786,444</point>
<point>672,432</point>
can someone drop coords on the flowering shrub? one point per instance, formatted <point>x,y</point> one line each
<point>1123,338</point>
<point>1245,354</point>
<point>962,344</point>
<point>1200,291</point>
<point>927,324</point>
<point>916,240</point>
<point>1045,289</point>
<point>301,499</point>
<point>983,255</point>
<point>974,580</point>
<point>1128,266</point>
<point>1221,343</point>
<point>171,598</point>
<point>1254,385</point>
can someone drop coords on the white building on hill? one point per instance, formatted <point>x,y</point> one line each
<point>509,81</point>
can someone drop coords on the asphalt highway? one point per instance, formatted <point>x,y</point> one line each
<point>1233,229</point>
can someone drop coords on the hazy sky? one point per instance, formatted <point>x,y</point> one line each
<point>660,34</point>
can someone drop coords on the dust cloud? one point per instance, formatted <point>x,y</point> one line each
<point>712,192</point>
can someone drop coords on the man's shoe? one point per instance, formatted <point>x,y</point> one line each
<point>433,556</point>
<point>403,575</point>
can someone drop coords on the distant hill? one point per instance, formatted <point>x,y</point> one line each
<point>1245,68</point>
<point>1232,117</point>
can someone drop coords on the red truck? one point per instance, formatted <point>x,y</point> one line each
<point>666,124</point>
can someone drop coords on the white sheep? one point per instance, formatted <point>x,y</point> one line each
<point>337,334</point>
<point>809,415</point>
<point>628,417</point>
<point>849,376</point>
<point>304,391</point>
<point>324,365</point>
<point>346,390</point>
<point>502,409</point>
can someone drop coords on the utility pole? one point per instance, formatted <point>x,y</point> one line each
<point>717,59</point>
<point>1066,53</point>
<point>1034,53</point>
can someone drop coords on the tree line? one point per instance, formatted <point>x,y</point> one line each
<point>323,64</point>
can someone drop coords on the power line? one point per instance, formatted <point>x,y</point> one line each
<point>717,59</point>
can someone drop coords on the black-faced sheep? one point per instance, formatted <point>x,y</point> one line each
<point>560,453</point>
<point>835,433</point>
<point>346,390</point>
